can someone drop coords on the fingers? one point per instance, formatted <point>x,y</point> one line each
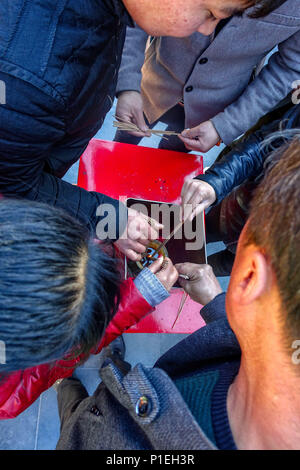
<point>196,196</point>
<point>192,195</point>
<point>168,274</point>
<point>191,133</point>
<point>188,269</point>
<point>152,227</point>
<point>140,122</point>
<point>193,144</point>
<point>187,191</point>
<point>141,227</point>
<point>157,265</point>
<point>203,286</point>
<point>132,255</point>
<point>198,210</point>
<point>130,109</point>
<point>200,138</point>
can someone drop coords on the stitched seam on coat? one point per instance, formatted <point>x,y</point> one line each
<point>15,29</point>
<point>49,45</point>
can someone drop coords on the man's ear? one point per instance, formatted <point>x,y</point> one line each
<point>253,279</point>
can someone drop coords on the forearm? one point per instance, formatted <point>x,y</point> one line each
<point>265,92</point>
<point>130,72</point>
<point>245,160</point>
<point>81,204</point>
<point>240,164</point>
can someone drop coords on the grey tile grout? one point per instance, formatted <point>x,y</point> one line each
<point>38,423</point>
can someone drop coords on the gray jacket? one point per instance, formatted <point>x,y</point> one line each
<point>168,424</point>
<point>212,75</point>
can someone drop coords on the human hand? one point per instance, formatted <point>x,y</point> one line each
<point>165,271</point>
<point>140,230</point>
<point>196,196</point>
<point>202,286</point>
<point>200,138</point>
<point>130,109</point>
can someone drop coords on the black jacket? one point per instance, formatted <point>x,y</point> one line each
<point>244,160</point>
<point>58,62</point>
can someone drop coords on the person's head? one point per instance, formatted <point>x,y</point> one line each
<point>181,18</point>
<point>263,298</point>
<point>58,289</point>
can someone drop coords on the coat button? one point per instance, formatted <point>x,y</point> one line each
<point>189,89</point>
<point>143,406</point>
<point>95,411</point>
<point>203,61</point>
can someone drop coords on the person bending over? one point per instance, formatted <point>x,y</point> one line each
<point>61,298</point>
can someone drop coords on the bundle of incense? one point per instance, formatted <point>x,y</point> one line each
<point>182,302</point>
<point>130,127</point>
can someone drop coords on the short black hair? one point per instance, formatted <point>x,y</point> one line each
<point>58,288</point>
<point>265,7</point>
<point>274,226</point>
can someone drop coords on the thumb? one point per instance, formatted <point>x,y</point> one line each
<point>140,121</point>
<point>156,266</point>
<point>191,133</point>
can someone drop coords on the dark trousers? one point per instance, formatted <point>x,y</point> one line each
<point>175,120</point>
<point>71,392</point>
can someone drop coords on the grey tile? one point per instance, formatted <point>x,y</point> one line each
<point>48,423</point>
<point>93,362</point>
<point>89,378</point>
<point>147,348</point>
<point>142,347</point>
<point>212,248</point>
<point>20,433</point>
<point>224,282</point>
<point>169,340</point>
<point>72,174</point>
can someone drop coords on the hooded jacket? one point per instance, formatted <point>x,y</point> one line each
<point>59,62</point>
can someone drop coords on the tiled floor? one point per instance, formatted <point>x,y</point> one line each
<point>38,426</point>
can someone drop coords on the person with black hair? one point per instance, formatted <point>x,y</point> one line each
<point>233,384</point>
<point>61,298</point>
<point>58,74</point>
<point>215,84</point>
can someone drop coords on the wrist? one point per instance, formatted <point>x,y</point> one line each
<point>151,288</point>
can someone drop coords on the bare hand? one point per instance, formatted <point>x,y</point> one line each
<point>196,196</point>
<point>165,272</point>
<point>200,138</point>
<point>202,286</point>
<point>130,109</point>
<point>139,232</point>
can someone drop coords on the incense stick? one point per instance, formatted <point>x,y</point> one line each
<point>131,127</point>
<point>183,300</point>
<point>163,244</point>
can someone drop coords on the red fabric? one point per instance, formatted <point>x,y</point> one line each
<point>22,388</point>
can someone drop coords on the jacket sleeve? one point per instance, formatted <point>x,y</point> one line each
<point>133,307</point>
<point>272,85</point>
<point>22,388</point>
<point>130,72</point>
<point>245,160</point>
<point>32,129</point>
<point>214,310</point>
<point>239,165</point>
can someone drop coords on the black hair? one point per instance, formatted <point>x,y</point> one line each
<point>58,288</point>
<point>274,225</point>
<point>265,7</point>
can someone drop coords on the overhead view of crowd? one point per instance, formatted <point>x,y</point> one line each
<point>214,72</point>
